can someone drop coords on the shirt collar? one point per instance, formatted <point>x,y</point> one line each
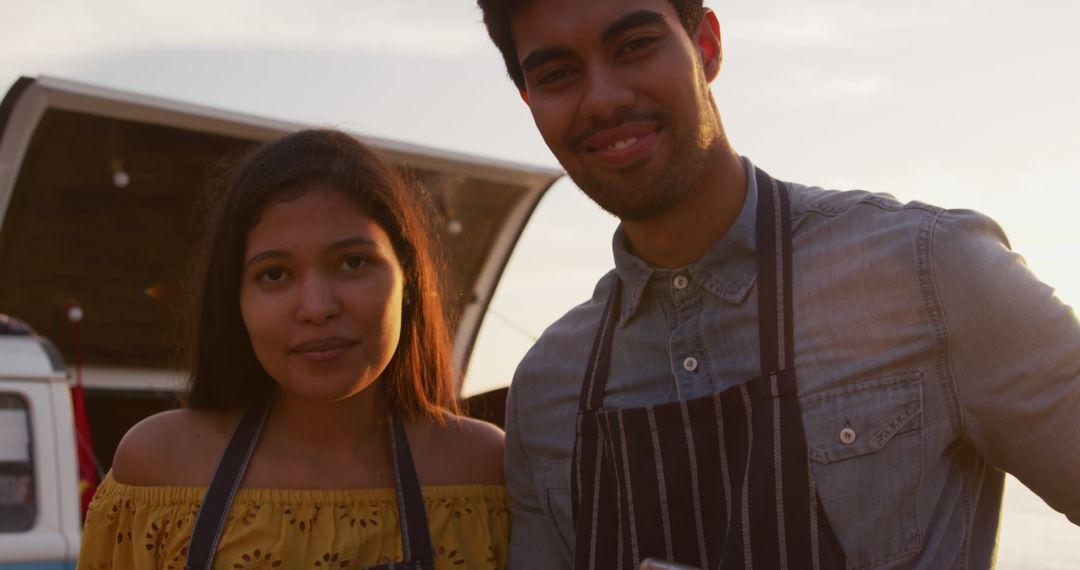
<point>727,270</point>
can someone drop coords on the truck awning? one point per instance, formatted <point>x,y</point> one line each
<point>99,207</point>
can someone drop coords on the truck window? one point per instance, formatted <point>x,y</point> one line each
<point>16,469</point>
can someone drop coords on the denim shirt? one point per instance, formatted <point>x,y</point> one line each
<point>915,326</point>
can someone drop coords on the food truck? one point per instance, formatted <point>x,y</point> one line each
<point>102,193</point>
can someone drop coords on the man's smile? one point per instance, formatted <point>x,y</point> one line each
<point>624,144</point>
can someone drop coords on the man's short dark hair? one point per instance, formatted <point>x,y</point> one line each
<point>497,15</point>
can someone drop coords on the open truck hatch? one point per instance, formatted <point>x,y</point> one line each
<point>99,208</point>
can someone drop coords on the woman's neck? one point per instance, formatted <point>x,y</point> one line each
<point>318,433</point>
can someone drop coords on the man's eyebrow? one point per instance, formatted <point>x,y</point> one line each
<point>631,21</point>
<point>538,57</point>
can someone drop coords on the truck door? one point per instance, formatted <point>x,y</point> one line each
<point>36,529</point>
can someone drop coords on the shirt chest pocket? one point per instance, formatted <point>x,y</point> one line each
<point>865,446</point>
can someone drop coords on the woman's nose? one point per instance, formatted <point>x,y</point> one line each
<point>318,300</point>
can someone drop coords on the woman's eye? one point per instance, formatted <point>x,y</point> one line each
<point>353,262</point>
<point>271,275</point>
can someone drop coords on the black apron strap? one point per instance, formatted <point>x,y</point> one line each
<point>210,522</point>
<point>775,321</point>
<point>214,510</point>
<point>596,374</point>
<point>415,536</point>
<point>592,396</point>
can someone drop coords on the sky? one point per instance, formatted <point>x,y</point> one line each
<point>965,104</point>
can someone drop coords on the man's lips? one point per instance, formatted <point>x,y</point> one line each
<point>620,137</point>
<point>321,349</point>
<point>622,145</point>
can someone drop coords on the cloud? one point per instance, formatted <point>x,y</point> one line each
<point>50,30</point>
<point>854,24</point>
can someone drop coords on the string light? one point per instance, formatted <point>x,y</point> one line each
<point>121,179</point>
<point>75,313</point>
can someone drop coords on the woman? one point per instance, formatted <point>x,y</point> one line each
<point>321,356</point>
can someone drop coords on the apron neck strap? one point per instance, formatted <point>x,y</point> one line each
<point>415,537</point>
<point>213,511</point>
<point>596,373</point>
<point>773,247</point>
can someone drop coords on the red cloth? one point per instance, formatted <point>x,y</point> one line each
<point>88,480</point>
<point>84,444</point>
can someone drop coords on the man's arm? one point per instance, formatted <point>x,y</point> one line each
<point>1014,355</point>
<point>533,540</point>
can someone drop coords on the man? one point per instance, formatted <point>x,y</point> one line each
<point>773,376</point>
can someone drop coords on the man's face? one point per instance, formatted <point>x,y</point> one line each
<point>620,95</point>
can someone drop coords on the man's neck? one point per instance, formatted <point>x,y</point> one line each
<point>684,233</point>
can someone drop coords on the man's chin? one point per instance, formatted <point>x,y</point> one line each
<point>630,200</point>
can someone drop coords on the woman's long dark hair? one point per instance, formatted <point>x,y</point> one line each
<point>224,370</point>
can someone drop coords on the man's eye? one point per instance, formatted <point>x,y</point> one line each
<point>353,262</point>
<point>271,275</point>
<point>553,76</point>
<point>638,43</point>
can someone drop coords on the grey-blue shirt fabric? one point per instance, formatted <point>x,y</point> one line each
<point>916,327</point>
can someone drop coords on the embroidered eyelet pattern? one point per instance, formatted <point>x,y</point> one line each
<point>290,531</point>
<point>257,560</point>
<point>331,560</point>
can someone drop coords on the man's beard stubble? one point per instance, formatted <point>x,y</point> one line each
<point>641,196</point>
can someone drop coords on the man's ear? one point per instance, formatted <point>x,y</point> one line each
<point>524,95</point>
<point>708,43</point>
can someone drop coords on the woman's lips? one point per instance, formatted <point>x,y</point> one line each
<point>323,349</point>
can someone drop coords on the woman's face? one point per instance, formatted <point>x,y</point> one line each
<point>320,295</point>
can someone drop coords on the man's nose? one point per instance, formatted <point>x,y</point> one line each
<point>607,95</point>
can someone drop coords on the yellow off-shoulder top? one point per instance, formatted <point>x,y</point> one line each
<point>134,527</point>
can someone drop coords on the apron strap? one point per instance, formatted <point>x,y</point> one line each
<point>210,522</point>
<point>415,536</point>
<point>592,391</point>
<point>596,374</point>
<point>214,510</point>
<point>774,264</point>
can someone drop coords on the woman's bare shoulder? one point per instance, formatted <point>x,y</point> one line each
<point>174,448</point>
<point>463,451</point>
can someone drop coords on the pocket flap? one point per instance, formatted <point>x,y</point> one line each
<point>861,418</point>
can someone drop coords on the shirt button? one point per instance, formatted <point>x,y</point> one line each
<point>681,282</point>
<point>690,364</point>
<point>847,436</point>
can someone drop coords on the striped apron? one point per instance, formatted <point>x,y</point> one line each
<point>214,510</point>
<point>722,481</point>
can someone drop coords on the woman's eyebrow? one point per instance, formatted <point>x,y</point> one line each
<point>340,244</point>
<point>353,242</point>
<point>264,255</point>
